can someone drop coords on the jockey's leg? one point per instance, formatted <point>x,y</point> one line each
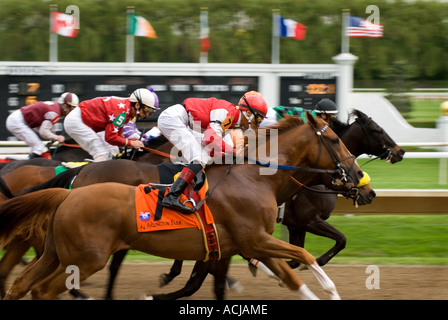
<point>171,200</point>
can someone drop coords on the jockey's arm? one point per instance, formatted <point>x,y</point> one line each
<point>213,139</point>
<point>45,131</point>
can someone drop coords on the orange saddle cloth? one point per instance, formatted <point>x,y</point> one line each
<point>152,216</point>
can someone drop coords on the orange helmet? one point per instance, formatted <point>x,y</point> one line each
<point>254,102</point>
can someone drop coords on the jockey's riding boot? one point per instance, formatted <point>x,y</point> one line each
<point>33,155</point>
<point>171,200</point>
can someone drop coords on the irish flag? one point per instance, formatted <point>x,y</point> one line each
<point>140,27</point>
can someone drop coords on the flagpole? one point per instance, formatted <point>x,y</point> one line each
<point>53,49</point>
<point>345,41</point>
<point>275,46</point>
<point>129,37</point>
<point>203,23</point>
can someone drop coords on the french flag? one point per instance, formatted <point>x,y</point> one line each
<point>292,29</point>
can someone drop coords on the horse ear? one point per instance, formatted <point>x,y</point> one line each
<point>310,118</point>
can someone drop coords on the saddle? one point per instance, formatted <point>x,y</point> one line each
<point>152,216</point>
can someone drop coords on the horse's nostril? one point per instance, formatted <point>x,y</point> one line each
<point>372,194</point>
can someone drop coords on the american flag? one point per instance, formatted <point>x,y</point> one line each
<point>359,27</point>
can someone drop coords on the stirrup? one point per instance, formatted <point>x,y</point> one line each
<point>190,200</point>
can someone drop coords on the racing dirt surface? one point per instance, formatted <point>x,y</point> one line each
<point>395,283</point>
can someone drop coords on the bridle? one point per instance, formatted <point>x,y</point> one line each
<point>339,169</point>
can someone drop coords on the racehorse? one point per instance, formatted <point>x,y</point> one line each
<point>101,173</point>
<point>73,237</point>
<point>44,170</point>
<point>309,210</point>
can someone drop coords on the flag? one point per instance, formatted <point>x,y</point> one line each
<point>292,29</point>
<point>64,24</point>
<point>359,27</point>
<point>140,27</point>
<point>205,41</point>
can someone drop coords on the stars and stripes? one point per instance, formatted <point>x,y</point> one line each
<point>359,27</point>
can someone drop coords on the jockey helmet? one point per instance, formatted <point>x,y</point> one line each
<point>145,97</point>
<point>326,106</point>
<point>70,99</point>
<point>254,102</point>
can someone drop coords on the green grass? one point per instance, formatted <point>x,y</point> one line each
<point>407,174</point>
<point>375,239</point>
<point>424,113</point>
<point>428,110</point>
<point>388,239</point>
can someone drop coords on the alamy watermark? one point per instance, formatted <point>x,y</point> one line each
<point>373,280</point>
<point>73,280</point>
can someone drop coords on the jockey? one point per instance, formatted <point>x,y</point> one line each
<point>325,109</point>
<point>97,124</point>
<point>182,125</point>
<point>40,117</point>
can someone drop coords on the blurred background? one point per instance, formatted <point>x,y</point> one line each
<point>408,66</point>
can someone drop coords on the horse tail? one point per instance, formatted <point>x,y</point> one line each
<point>62,180</point>
<point>28,215</point>
<point>5,189</point>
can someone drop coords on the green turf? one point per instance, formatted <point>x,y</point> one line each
<point>407,174</point>
<point>374,239</point>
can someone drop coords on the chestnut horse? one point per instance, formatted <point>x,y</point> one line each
<point>75,238</point>
<point>105,172</point>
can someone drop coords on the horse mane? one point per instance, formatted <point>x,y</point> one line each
<point>361,116</point>
<point>287,123</point>
<point>337,125</point>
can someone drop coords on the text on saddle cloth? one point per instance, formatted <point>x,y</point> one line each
<point>152,216</point>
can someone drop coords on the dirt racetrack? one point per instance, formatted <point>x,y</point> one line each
<point>395,283</point>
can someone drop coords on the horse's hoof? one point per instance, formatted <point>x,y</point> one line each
<point>234,285</point>
<point>303,267</point>
<point>163,280</point>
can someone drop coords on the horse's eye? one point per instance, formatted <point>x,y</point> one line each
<point>335,141</point>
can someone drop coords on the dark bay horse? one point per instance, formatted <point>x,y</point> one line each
<point>308,211</point>
<point>74,239</point>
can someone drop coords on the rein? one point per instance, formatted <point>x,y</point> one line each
<point>160,153</point>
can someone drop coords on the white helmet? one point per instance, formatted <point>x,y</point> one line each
<point>145,97</point>
<point>69,98</point>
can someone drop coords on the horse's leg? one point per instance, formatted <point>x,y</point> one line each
<point>13,255</point>
<point>88,262</point>
<point>297,238</point>
<point>197,277</point>
<point>323,228</point>
<point>268,246</point>
<point>34,273</point>
<point>175,270</point>
<point>220,269</point>
<point>287,275</point>
<point>117,259</point>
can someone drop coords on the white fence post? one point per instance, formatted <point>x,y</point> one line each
<point>344,83</point>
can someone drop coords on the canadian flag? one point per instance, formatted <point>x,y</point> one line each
<point>64,24</point>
